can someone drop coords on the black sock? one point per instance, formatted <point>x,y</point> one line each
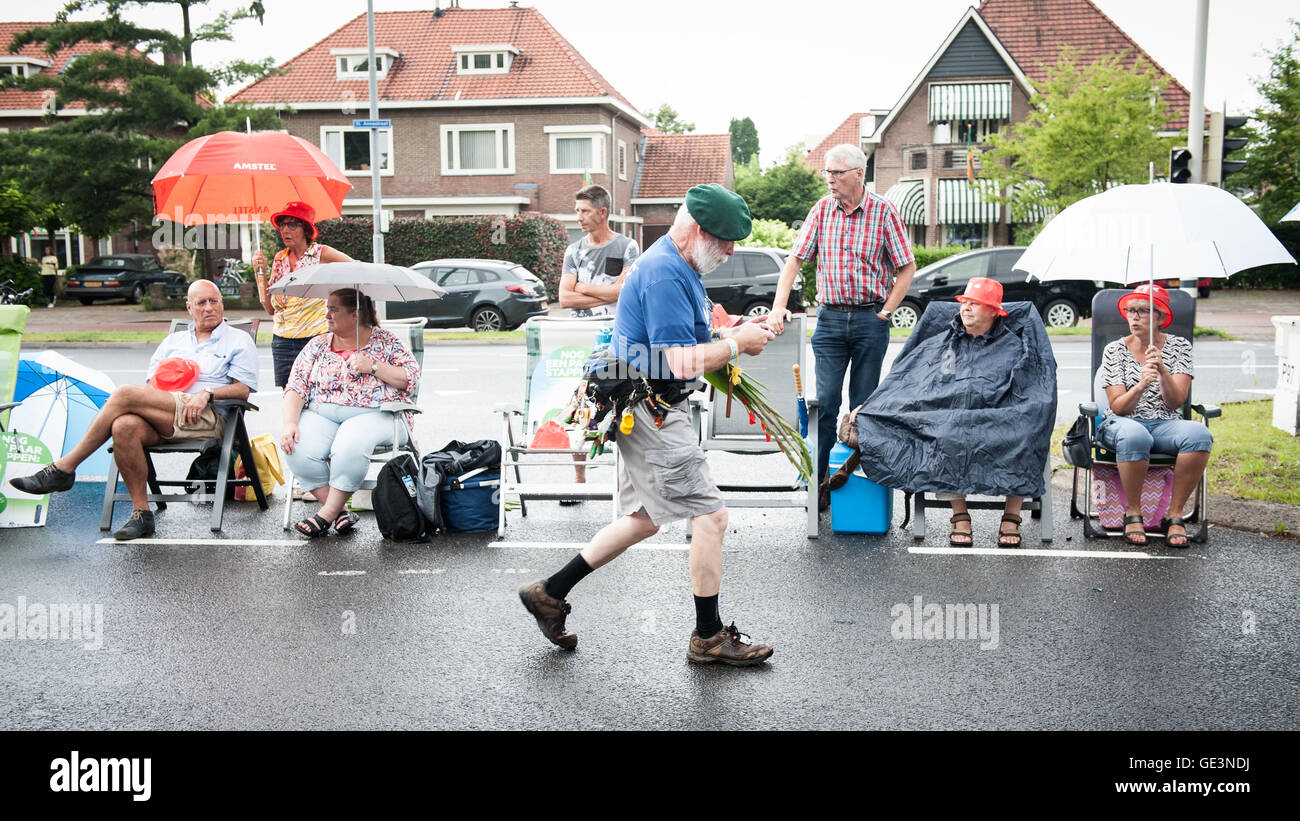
<point>559,585</point>
<point>707,621</point>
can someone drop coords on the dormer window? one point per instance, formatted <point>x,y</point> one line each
<point>354,63</point>
<point>21,67</point>
<point>484,59</point>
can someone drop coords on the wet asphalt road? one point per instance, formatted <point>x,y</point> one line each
<point>359,633</point>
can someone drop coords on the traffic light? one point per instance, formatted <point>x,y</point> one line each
<point>1179,159</point>
<point>1222,145</point>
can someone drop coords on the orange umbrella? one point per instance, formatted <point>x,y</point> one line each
<point>232,177</point>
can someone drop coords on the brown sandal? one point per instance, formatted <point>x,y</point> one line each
<point>954,532</point>
<point>1015,534</point>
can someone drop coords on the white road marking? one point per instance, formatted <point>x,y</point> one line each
<point>1261,391</point>
<point>213,542</point>
<point>341,573</point>
<point>580,545</point>
<point>1022,551</point>
<point>422,571</point>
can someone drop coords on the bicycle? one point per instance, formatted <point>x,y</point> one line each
<point>10,296</point>
<point>230,273</point>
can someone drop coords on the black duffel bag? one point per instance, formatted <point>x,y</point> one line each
<point>395,499</point>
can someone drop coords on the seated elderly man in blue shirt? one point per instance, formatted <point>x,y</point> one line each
<point>140,416</point>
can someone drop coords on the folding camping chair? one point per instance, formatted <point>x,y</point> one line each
<point>1107,326</point>
<point>395,410</point>
<point>235,439</point>
<point>734,434</point>
<point>557,347</point>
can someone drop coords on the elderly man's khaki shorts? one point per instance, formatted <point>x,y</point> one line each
<point>210,424</point>
<point>663,471</point>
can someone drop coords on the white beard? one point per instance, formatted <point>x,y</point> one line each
<point>707,256</point>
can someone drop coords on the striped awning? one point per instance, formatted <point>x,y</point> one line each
<point>1030,208</point>
<point>970,101</point>
<point>909,198</point>
<point>965,203</point>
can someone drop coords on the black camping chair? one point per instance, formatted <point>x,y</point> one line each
<point>234,440</point>
<point>1107,326</point>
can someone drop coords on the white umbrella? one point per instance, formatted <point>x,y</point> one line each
<point>380,282</point>
<point>1293,215</point>
<point>1140,233</point>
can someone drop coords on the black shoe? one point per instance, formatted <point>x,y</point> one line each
<point>140,524</point>
<point>48,479</point>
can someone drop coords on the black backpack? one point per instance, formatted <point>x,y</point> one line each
<point>455,458</point>
<point>394,499</point>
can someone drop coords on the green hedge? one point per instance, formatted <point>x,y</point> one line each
<point>25,275</point>
<point>929,256</point>
<point>1273,276</point>
<point>534,241</point>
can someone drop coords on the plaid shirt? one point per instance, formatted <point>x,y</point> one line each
<point>857,252</point>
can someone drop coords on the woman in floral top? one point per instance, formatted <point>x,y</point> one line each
<point>1146,385</point>
<point>332,421</point>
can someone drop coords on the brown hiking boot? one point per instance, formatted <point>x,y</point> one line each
<point>549,612</point>
<point>729,646</point>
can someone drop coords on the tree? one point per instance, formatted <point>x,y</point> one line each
<point>784,192</point>
<point>744,140</point>
<point>1273,161</point>
<point>667,120</point>
<point>93,171</point>
<point>1090,126</point>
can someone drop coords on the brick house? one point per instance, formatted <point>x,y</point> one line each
<point>670,165</point>
<point>978,80</point>
<point>493,112</point>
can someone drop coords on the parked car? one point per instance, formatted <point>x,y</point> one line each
<point>1061,303</point>
<point>1202,286</point>
<point>746,283</point>
<point>485,294</point>
<point>119,276</point>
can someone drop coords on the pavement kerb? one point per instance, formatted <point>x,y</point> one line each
<point>1249,515</point>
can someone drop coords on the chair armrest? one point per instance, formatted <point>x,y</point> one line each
<point>1208,411</point>
<point>1088,409</point>
<point>508,408</point>
<point>811,401</point>
<point>242,404</point>
<point>4,406</point>
<point>398,407</point>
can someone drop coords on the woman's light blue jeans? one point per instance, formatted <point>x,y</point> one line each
<point>1134,440</point>
<point>335,443</point>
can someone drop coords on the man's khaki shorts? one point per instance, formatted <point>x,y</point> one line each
<point>663,471</point>
<point>210,424</point>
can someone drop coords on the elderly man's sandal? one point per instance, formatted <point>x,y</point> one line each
<point>954,533</point>
<point>1012,535</point>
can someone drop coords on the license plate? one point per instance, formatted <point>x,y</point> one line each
<point>544,304</point>
<point>93,284</point>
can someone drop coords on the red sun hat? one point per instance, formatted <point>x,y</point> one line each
<point>1148,293</point>
<point>984,291</point>
<point>175,374</point>
<point>298,210</point>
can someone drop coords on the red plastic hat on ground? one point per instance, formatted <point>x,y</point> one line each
<point>175,374</point>
<point>984,291</point>
<point>550,435</point>
<point>1145,294</point>
<point>298,210</point>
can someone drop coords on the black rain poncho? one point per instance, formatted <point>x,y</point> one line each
<point>961,414</point>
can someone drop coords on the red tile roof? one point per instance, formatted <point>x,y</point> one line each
<point>672,163</point>
<point>1033,31</point>
<point>14,99</point>
<point>849,131</point>
<point>546,66</point>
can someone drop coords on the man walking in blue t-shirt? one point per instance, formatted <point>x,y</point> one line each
<point>663,328</point>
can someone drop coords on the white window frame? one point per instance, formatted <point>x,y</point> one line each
<point>450,164</point>
<point>621,160</point>
<point>348,56</point>
<point>597,133</point>
<point>500,56</point>
<point>341,129</point>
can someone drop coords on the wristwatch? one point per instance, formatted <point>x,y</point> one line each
<point>374,367</point>
<point>888,314</point>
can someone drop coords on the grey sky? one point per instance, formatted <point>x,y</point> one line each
<point>796,68</point>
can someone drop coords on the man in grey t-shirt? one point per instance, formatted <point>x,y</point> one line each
<point>594,265</point>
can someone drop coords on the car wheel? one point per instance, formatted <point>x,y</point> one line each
<point>85,300</point>
<point>1060,313</point>
<point>137,295</point>
<point>758,309</point>
<point>906,314</point>
<point>488,319</point>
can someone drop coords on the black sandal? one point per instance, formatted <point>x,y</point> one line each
<point>1002,534</point>
<point>312,526</point>
<point>1132,536</point>
<point>345,522</point>
<point>954,532</point>
<point>1170,521</point>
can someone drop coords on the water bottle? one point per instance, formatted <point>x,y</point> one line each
<point>604,336</point>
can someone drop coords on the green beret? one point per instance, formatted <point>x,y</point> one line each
<point>720,212</point>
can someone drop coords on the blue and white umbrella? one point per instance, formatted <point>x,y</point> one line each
<point>59,398</point>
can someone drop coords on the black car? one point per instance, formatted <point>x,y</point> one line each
<point>119,276</point>
<point>746,283</point>
<point>1061,303</point>
<point>485,294</point>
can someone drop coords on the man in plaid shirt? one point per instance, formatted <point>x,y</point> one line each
<point>864,267</point>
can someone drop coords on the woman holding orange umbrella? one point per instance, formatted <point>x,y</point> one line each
<point>297,319</point>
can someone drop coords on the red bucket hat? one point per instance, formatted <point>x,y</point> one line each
<point>175,374</point>
<point>1146,293</point>
<point>984,291</point>
<point>298,210</point>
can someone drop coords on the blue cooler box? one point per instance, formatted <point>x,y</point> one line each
<point>861,505</point>
<point>469,503</point>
